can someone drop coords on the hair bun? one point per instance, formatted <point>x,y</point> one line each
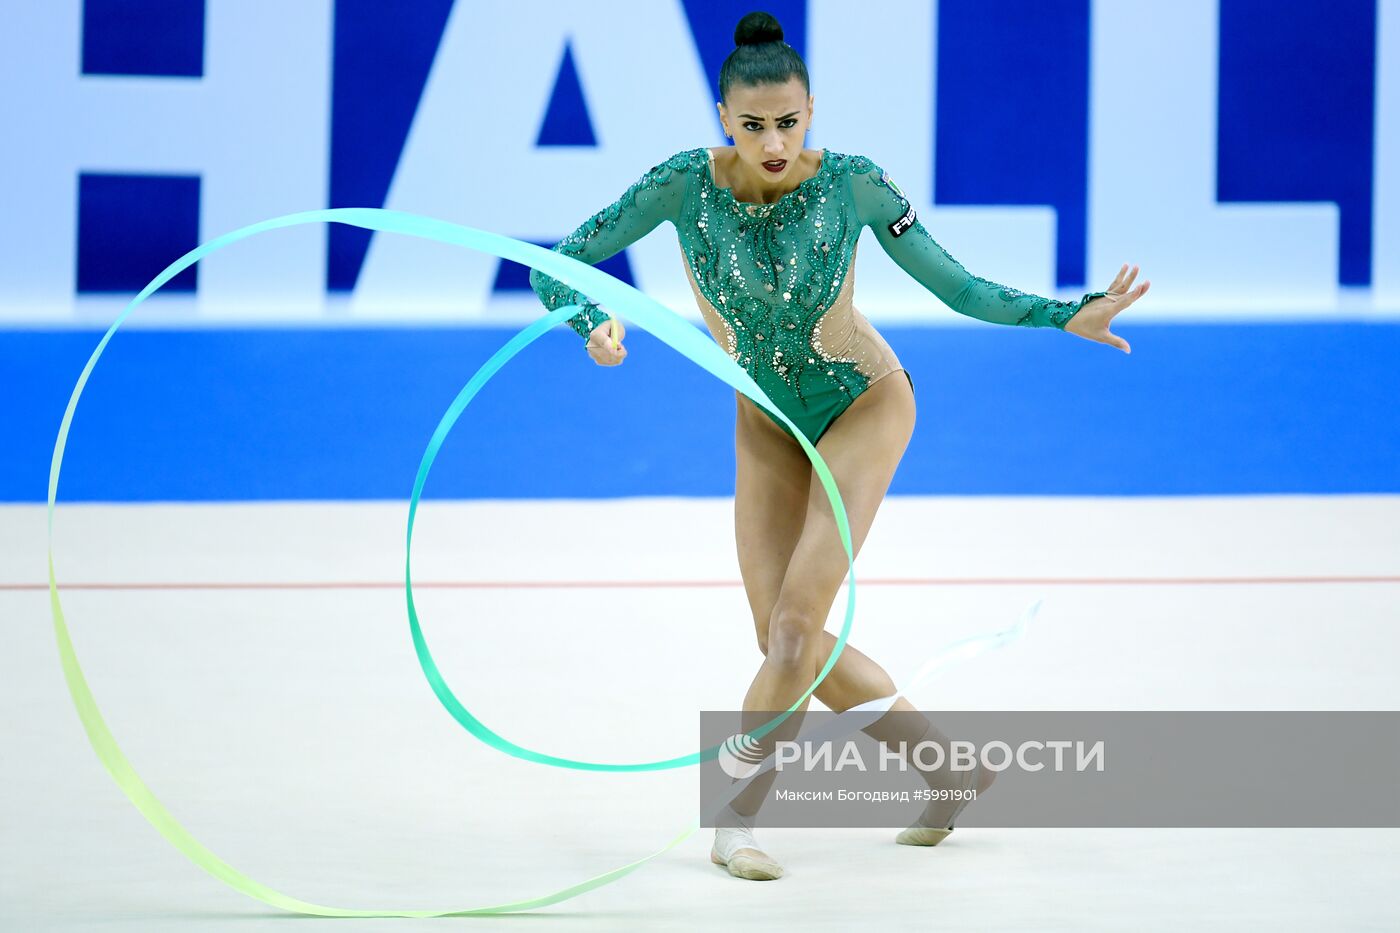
<point>756,28</point>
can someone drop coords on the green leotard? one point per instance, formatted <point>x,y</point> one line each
<point>774,282</point>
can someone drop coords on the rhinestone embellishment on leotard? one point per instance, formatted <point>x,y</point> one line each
<point>766,245</point>
<point>773,272</point>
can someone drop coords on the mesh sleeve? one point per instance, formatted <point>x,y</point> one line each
<point>653,198</point>
<point>882,206</point>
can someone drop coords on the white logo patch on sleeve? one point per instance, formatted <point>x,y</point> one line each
<point>902,225</point>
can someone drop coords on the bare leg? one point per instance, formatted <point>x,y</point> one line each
<point>771,488</point>
<point>862,449</point>
<point>903,726</point>
<point>777,498</point>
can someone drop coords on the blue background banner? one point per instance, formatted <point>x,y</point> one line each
<point>1245,154</point>
<point>344,414</point>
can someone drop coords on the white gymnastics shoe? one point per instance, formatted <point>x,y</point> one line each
<point>736,849</point>
<point>936,822</point>
<point>920,835</point>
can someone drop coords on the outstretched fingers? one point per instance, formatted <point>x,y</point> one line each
<point>1130,297</point>
<point>1123,280</point>
<point>1116,285</point>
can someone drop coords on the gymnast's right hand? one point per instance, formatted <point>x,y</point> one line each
<point>600,343</point>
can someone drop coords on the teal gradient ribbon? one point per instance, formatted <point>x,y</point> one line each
<point>654,317</point>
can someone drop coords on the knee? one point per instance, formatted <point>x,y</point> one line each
<point>761,620</point>
<point>791,638</point>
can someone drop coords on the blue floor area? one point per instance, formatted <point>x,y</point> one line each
<point>206,415</point>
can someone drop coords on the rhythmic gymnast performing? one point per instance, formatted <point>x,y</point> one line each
<point>768,232</point>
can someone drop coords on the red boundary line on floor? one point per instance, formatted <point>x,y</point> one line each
<point>698,584</point>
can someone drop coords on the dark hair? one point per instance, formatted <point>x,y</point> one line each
<point>760,56</point>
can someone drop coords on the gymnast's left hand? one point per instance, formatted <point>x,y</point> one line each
<point>1091,321</point>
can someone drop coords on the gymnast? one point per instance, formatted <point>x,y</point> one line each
<point>768,232</point>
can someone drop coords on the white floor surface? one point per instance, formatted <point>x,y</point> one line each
<point>254,662</point>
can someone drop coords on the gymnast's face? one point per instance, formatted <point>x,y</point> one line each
<point>768,123</point>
